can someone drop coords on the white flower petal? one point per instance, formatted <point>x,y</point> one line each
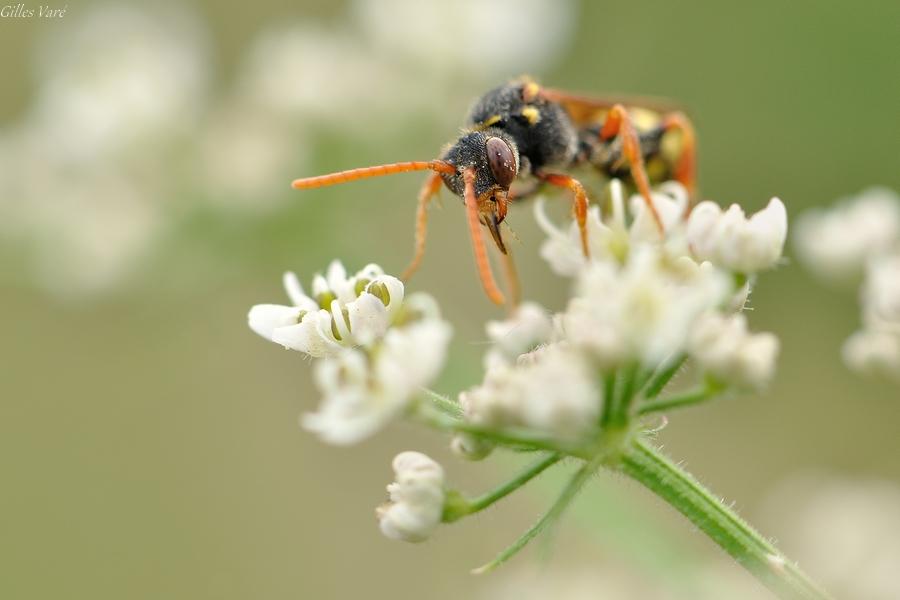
<point>307,337</point>
<point>394,289</point>
<point>368,318</point>
<point>529,326</point>
<point>295,292</point>
<point>264,319</point>
<point>413,356</point>
<point>339,322</point>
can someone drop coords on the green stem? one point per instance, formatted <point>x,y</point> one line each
<point>462,507</point>
<point>609,398</point>
<point>624,395</point>
<point>661,378</point>
<point>694,396</point>
<point>667,480</point>
<point>565,498</point>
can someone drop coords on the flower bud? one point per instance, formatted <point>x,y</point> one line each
<point>732,241</point>
<point>416,498</point>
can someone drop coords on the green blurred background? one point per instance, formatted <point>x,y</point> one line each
<point>149,445</point>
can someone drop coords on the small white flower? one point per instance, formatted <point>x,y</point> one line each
<point>364,391</point>
<point>732,241</point>
<point>642,311</point>
<point>416,498</point>
<point>551,389</point>
<point>562,249</point>
<point>838,242</point>
<point>724,348</point>
<point>342,312</point>
<point>670,200</point>
<point>529,326</point>
<point>610,239</point>
<point>873,352</point>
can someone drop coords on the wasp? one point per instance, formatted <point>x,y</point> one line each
<point>523,132</point>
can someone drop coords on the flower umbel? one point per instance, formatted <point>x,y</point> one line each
<point>578,384</point>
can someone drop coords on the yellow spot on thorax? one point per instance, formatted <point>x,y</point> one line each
<point>490,121</point>
<point>532,114</point>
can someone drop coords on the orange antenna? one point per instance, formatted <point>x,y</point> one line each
<point>440,166</point>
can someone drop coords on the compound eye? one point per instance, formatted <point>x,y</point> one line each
<point>502,161</point>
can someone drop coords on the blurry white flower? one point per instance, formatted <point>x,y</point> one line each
<point>838,242</point>
<point>416,498</point>
<point>359,310</point>
<point>363,392</point>
<point>873,352</point>
<point>245,156</point>
<point>118,75</point>
<point>881,293</point>
<point>84,231</point>
<point>641,311</point>
<point>467,37</point>
<point>552,389</point>
<point>529,326</point>
<point>724,348</point>
<point>83,190</point>
<point>732,241</point>
<point>292,72</point>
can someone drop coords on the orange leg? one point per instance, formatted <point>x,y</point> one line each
<point>618,123</point>
<point>429,189</point>
<point>478,247</point>
<point>686,166</point>
<point>581,203</point>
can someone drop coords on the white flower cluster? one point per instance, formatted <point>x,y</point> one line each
<point>641,304</point>
<point>641,301</point>
<point>726,239</point>
<point>416,498</point>
<point>377,347</point>
<point>861,236</point>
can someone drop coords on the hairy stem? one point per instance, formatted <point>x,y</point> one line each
<point>645,464</point>
<point>444,404</point>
